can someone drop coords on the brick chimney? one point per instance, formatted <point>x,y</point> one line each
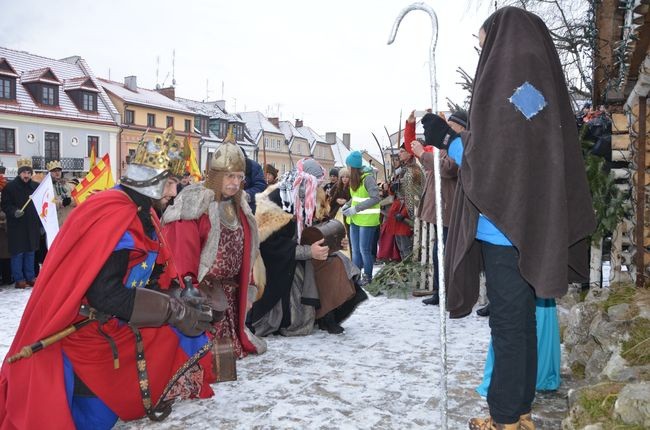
<point>298,123</point>
<point>275,121</point>
<point>330,137</point>
<point>346,140</point>
<point>131,82</point>
<point>169,92</point>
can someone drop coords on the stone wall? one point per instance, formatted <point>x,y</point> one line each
<point>606,339</point>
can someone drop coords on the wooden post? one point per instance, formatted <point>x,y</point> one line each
<point>416,238</point>
<point>640,194</point>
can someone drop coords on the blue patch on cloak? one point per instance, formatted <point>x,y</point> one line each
<point>528,100</point>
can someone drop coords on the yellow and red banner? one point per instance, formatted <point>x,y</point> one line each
<point>190,162</point>
<point>98,179</point>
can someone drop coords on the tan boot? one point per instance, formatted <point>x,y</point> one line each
<point>489,424</point>
<point>526,422</point>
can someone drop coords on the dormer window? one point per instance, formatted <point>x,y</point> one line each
<point>7,81</point>
<point>89,101</point>
<point>49,95</point>
<point>43,85</point>
<point>7,88</point>
<point>83,93</point>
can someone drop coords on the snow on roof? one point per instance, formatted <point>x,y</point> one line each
<point>257,123</point>
<point>38,75</point>
<point>33,67</point>
<point>144,97</point>
<point>289,130</point>
<point>312,136</point>
<point>340,153</point>
<point>210,109</point>
<point>82,83</point>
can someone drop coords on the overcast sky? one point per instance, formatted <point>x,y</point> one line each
<point>326,62</point>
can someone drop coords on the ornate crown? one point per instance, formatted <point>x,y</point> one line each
<point>24,162</point>
<point>156,153</point>
<point>178,157</point>
<point>54,164</point>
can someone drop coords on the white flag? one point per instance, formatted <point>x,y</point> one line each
<point>45,204</point>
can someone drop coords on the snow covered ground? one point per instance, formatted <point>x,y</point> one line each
<point>382,373</point>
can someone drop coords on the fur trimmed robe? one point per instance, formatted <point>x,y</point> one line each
<point>192,204</point>
<point>299,289</point>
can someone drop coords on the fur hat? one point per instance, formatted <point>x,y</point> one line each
<point>271,170</point>
<point>354,159</point>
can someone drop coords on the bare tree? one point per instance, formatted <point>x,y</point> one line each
<point>572,27</point>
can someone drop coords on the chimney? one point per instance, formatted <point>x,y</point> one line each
<point>298,123</point>
<point>221,104</point>
<point>169,92</point>
<point>346,140</point>
<point>131,82</point>
<point>330,137</point>
<point>275,121</point>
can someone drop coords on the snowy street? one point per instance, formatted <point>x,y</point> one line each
<point>382,373</point>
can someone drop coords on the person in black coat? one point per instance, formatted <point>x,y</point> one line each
<point>23,226</point>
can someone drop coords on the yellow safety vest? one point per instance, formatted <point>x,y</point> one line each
<point>368,217</point>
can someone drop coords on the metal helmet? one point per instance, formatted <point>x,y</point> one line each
<point>229,157</point>
<point>149,168</point>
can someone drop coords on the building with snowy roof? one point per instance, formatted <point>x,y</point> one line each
<point>53,110</point>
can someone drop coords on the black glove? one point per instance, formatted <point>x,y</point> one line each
<point>437,132</point>
<point>66,201</point>
<point>399,217</point>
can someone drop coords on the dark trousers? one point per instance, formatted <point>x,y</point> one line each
<point>5,271</point>
<point>514,338</point>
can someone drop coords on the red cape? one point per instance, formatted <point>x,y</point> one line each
<point>32,390</point>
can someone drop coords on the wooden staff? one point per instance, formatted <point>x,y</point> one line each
<point>28,350</point>
<point>29,199</point>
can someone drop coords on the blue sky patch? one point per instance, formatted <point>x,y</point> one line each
<point>528,100</point>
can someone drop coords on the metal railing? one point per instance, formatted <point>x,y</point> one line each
<point>68,164</point>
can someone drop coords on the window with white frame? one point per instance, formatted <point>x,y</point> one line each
<point>8,140</point>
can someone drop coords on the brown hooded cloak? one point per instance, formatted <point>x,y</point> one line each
<point>522,167</point>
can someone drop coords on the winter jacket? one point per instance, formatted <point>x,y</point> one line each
<point>24,233</point>
<point>255,181</point>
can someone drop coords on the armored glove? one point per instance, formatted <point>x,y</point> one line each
<point>437,132</point>
<point>19,213</point>
<point>154,309</point>
<point>348,212</point>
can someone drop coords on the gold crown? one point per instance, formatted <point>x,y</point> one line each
<point>24,162</point>
<point>178,158</point>
<point>156,153</point>
<point>54,164</point>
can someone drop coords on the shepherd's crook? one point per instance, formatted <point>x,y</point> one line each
<point>436,171</point>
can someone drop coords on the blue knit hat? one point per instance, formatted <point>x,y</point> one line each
<point>354,160</point>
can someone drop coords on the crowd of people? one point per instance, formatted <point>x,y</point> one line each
<point>181,279</point>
